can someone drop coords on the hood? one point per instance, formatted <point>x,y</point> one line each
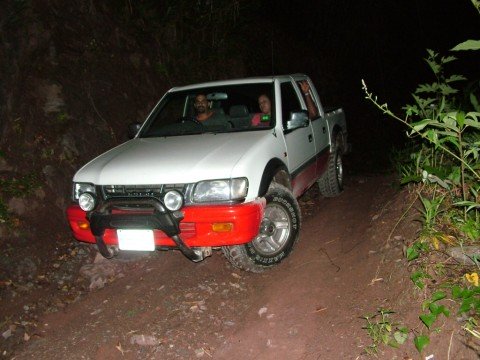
<point>171,160</point>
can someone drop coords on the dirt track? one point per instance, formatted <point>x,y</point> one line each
<point>309,307</point>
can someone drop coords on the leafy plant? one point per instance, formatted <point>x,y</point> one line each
<point>413,251</point>
<point>434,309</point>
<point>469,299</point>
<point>442,162</point>
<point>23,186</point>
<point>19,187</point>
<point>420,342</point>
<point>447,138</point>
<point>382,331</point>
<point>417,278</point>
<point>431,210</point>
<point>428,318</point>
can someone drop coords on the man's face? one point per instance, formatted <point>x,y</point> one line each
<point>201,104</point>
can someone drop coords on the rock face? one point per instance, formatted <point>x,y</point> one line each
<point>465,255</point>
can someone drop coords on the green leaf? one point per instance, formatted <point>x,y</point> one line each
<point>420,342</point>
<point>400,336</point>
<point>460,118</point>
<point>412,253</point>
<point>467,45</point>
<point>456,291</point>
<point>418,126</point>
<point>438,309</point>
<point>438,295</point>
<point>447,59</point>
<point>453,78</point>
<point>434,309</point>
<point>469,204</point>
<point>417,277</point>
<point>472,123</point>
<point>466,305</point>
<point>428,319</point>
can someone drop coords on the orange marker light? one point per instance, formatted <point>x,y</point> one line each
<point>222,227</point>
<point>84,225</point>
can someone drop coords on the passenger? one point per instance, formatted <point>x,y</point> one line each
<point>263,118</point>
<point>311,107</point>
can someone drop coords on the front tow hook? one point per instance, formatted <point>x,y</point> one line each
<point>187,251</point>
<point>103,248</point>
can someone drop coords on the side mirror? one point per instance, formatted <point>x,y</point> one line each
<point>133,129</point>
<point>297,120</point>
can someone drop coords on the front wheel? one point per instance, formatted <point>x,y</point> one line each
<point>279,230</point>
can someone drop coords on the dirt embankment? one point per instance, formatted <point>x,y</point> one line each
<point>74,75</point>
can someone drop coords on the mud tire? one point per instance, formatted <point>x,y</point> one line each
<point>278,233</point>
<point>331,182</point>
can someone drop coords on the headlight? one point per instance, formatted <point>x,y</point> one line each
<point>87,201</point>
<point>79,188</point>
<point>173,200</point>
<point>221,190</point>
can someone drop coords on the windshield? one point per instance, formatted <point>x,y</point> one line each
<point>232,108</point>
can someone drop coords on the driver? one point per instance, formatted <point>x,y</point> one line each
<point>205,115</point>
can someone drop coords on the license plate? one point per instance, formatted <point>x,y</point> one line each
<point>132,239</point>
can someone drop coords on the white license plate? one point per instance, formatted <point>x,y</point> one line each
<point>132,239</point>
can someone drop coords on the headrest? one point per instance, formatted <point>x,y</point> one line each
<point>238,111</point>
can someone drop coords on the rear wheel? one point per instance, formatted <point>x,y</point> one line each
<point>331,182</point>
<point>278,233</point>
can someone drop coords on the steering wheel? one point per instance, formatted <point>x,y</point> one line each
<point>186,119</point>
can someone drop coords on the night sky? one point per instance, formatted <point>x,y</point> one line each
<point>338,43</point>
<point>383,42</point>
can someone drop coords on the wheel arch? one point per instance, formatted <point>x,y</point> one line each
<point>274,170</point>
<point>336,131</point>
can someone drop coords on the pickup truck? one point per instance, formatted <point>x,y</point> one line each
<point>231,184</point>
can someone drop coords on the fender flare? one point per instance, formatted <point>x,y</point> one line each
<point>274,167</point>
<point>336,131</point>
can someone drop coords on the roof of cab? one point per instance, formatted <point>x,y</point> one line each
<point>251,80</point>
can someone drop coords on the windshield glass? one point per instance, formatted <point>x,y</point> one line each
<point>232,108</point>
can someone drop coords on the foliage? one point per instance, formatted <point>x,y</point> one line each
<point>21,187</point>
<point>469,298</point>
<point>382,331</point>
<point>442,162</point>
<point>417,278</point>
<point>434,309</point>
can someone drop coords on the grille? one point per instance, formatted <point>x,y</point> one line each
<point>116,191</point>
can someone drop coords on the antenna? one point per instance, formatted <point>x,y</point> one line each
<point>271,47</point>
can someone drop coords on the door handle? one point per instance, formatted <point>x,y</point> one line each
<point>310,138</point>
<point>324,131</point>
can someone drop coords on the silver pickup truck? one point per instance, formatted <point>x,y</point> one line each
<point>216,165</point>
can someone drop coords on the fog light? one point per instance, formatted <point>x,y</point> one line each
<point>173,200</point>
<point>222,227</point>
<point>86,201</point>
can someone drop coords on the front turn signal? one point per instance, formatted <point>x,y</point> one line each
<point>84,225</point>
<point>222,227</point>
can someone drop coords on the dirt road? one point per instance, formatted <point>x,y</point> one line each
<point>165,307</point>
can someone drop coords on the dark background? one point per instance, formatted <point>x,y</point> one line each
<point>73,75</point>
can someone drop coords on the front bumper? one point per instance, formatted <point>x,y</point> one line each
<point>197,229</point>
